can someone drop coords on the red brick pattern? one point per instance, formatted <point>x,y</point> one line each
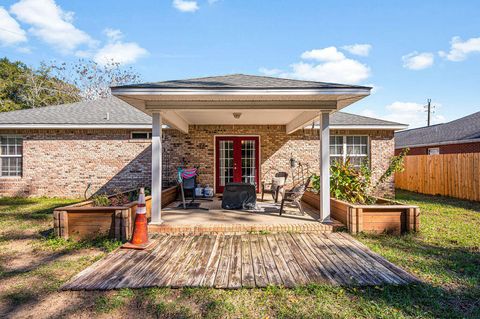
<point>63,162</point>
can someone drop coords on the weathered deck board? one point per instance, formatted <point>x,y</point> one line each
<point>248,260</point>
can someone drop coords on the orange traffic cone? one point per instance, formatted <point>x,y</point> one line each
<point>140,229</point>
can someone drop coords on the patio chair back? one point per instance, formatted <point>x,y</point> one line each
<point>189,183</point>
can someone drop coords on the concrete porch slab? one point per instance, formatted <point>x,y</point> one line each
<point>217,220</point>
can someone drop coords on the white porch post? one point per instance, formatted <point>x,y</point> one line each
<point>156,215</point>
<point>325,166</point>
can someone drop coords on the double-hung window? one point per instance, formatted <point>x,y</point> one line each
<point>11,150</point>
<point>353,147</point>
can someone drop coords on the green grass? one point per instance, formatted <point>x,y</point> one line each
<point>445,255</point>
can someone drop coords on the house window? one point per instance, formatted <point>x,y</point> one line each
<point>11,150</point>
<point>141,135</point>
<point>350,146</point>
<point>434,151</point>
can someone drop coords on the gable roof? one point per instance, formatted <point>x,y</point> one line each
<point>115,113</point>
<point>240,82</point>
<point>464,129</point>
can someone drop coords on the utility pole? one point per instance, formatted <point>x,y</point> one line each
<point>428,110</point>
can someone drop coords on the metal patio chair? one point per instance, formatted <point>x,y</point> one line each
<point>275,186</point>
<point>294,195</point>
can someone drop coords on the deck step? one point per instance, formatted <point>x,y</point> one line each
<point>210,229</point>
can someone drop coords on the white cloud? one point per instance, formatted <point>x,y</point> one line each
<point>186,5</point>
<point>411,113</point>
<point>10,31</point>
<point>332,66</point>
<point>418,61</point>
<point>113,34</point>
<point>459,50</point>
<point>118,51</point>
<point>327,54</point>
<point>51,24</point>
<point>358,49</point>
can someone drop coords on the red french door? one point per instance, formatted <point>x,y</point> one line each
<point>237,160</point>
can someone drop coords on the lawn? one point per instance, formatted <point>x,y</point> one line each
<point>445,255</point>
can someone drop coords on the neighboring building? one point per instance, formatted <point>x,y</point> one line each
<point>96,146</point>
<point>459,136</point>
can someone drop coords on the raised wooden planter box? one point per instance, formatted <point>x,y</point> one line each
<point>384,217</point>
<point>85,221</point>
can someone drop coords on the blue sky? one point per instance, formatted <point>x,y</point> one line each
<point>407,50</point>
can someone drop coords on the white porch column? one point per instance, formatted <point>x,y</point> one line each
<point>325,166</point>
<point>156,216</point>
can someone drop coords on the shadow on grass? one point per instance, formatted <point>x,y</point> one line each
<point>422,199</point>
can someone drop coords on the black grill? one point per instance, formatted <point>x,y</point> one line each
<point>239,196</point>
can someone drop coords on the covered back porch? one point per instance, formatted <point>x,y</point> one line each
<point>268,114</point>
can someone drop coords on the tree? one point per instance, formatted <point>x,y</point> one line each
<point>93,79</point>
<point>22,87</point>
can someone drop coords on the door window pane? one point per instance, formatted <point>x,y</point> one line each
<point>226,162</point>
<point>248,161</point>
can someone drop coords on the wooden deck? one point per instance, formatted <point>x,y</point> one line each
<point>234,261</point>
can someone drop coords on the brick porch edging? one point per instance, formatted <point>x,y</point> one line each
<point>242,228</point>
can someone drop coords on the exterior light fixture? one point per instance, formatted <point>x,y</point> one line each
<point>237,115</point>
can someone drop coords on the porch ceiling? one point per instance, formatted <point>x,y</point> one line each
<point>293,111</point>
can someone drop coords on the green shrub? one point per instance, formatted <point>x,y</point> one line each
<point>354,185</point>
<point>100,200</point>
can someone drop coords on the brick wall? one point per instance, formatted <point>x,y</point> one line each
<point>63,162</point>
<point>445,149</point>
<point>276,149</point>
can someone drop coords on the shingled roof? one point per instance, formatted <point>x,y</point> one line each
<point>113,112</point>
<point>239,82</point>
<point>463,129</point>
<point>106,112</point>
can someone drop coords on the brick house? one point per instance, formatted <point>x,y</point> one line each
<point>79,149</point>
<point>459,136</point>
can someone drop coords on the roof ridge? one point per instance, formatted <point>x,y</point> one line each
<point>283,79</point>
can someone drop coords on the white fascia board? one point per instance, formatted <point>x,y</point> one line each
<point>153,91</point>
<point>77,126</point>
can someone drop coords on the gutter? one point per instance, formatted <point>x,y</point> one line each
<point>157,91</point>
<point>474,140</point>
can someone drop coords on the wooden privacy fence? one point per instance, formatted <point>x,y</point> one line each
<point>455,175</point>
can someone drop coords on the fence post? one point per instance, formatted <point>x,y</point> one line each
<point>63,224</point>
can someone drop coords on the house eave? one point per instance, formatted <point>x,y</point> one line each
<point>158,91</point>
<point>473,140</point>
<point>368,127</point>
<point>75,126</point>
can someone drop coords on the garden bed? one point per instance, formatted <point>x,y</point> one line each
<point>385,216</point>
<point>85,221</point>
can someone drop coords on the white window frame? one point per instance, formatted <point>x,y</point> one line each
<point>11,156</point>
<point>149,135</point>
<point>344,148</point>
